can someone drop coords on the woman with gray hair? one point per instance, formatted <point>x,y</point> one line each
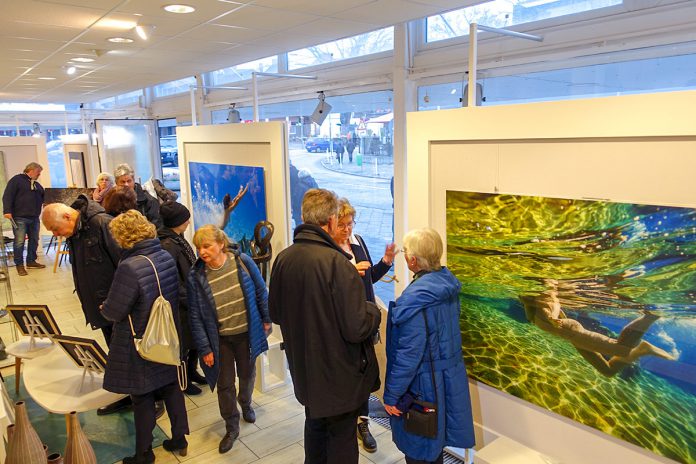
<point>105,182</point>
<point>424,354</point>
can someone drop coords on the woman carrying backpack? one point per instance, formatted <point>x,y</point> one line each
<point>135,288</point>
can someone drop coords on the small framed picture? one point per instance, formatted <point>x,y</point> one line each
<point>85,352</point>
<point>35,320</point>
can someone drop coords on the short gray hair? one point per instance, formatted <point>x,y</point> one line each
<point>123,170</point>
<point>55,213</point>
<point>426,245</point>
<point>108,176</point>
<point>318,205</point>
<point>31,166</point>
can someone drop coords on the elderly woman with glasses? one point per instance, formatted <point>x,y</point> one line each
<point>354,246</point>
<point>424,353</point>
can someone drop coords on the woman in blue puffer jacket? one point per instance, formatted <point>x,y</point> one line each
<point>228,315</point>
<point>434,293</point>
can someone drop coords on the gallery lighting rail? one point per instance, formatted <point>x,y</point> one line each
<point>255,89</point>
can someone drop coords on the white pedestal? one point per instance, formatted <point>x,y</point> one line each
<point>505,451</point>
<point>271,367</point>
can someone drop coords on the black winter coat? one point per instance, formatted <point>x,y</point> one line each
<point>147,205</point>
<point>172,243</point>
<point>133,292</point>
<point>318,299</point>
<point>94,256</point>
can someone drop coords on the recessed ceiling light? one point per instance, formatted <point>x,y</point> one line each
<point>70,70</point>
<point>119,40</point>
<point>82,59</point>
<point>47,78</point>
<point>177,8</point>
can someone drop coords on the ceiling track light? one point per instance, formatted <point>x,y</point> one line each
<point>120,40</point>
<point>144,31</point>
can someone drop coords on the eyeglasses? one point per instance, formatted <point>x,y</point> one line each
<point>349,225</point>
<point>402,250</point>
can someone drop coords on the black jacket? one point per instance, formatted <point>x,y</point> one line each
<point>94,256</point>
<point>133,291</point>
<point>172,243</point>
<point>20,200</point>
<point>147,205</point>
<point>318,299</point>
<point>376,271</point>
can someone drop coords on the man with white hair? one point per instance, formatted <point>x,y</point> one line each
<point>145,203</point>
<point>21,204</point>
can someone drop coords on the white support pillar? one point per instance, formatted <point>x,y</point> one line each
<point>473,58</point>
<point>194,120</point>
<point>255,96</point>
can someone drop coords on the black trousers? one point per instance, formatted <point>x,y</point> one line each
<point>416,461</point>
<point>331,440</point>
<point>234,361</point>
<point>144,414</point>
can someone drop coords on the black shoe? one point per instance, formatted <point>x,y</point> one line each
<point>369,443</point>
<point>227,442</point>
<point>249,415</point>
<point>159,409</point>
<point>147,458</point>
<point>192,389</point>
<point>35,265</point>
<point>195,377</point>
<point>180,445</point>
<point>119,405</point>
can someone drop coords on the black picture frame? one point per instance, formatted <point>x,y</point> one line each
<point>69,344</point>
<point>40,312</point>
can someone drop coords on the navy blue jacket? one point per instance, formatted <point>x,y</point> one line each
<point>376,271</point>
<point>133,291</point>
<point>408,363</point>
<point>20,200</point>
<point>203,312</point>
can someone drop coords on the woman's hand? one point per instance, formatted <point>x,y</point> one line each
<point>389,254</point>
<point>362,266</point>
<point>208,359</point>
<point>392,410</point>
<point>266,326</point>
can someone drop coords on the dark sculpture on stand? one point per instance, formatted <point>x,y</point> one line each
<point>261,249</point>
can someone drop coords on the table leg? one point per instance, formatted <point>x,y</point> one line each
<point>67,427</point>
<point>18,368</point>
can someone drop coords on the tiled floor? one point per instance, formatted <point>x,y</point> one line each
<point>275,438</point>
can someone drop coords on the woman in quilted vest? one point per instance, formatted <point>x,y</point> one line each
<point>228,315</point>
<point>135,287</point>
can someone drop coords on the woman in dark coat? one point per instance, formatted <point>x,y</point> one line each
<point>175,220</point>
<point>228,312</point>
<point>411,343</point>
<point>132,293</point>
<point>355,246</point>
<point>119,200</point>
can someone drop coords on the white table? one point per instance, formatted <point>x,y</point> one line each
<point>53,381</point>
<point>20,350</point>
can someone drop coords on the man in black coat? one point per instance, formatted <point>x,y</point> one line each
<point>21,204</point>
<point>318,299</point>
<point>145,203</point>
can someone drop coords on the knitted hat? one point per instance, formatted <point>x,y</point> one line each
<point>173,214</point>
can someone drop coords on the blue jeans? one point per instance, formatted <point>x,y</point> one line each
<point>28,227</point>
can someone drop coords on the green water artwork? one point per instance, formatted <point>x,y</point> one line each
<point>585,308</point>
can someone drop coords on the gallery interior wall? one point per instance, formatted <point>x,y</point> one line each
<point>259,144</point>
<point>639,149</point>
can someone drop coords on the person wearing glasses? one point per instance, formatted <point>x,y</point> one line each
<point>424,353</point>
<point>355,247</point>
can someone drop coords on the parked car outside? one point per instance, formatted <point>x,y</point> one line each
<point>169,152</point>
<point>317,145</point>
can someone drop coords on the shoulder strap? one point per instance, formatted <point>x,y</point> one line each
<point>361,242</point>
<point>241,263</point>
<point>430,353</point>
<point>130,319</point>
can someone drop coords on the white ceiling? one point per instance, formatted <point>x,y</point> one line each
<point>39,37</point>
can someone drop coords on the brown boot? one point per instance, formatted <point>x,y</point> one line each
<point>21,271</point>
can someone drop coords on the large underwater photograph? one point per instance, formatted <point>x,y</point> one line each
<point>585,308</point>
<point>231,197</point>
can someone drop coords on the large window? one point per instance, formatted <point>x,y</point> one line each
<point>174,87</point>
<point>381,40</point>
<point>625,77</point>
<point>243,71</point>
<point>504,13</point>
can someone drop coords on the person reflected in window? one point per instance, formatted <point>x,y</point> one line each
<point>606,354</point>
<point>354,245</point>
<point>433,295</point>
<point>105,182</point>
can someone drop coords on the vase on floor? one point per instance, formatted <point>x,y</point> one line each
<point>55,458</point>
<point>24,446</point>
<point>78,449</point>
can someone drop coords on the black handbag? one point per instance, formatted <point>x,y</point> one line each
<point>421,417</point>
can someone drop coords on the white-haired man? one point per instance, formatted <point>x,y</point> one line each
<point>145,203</point>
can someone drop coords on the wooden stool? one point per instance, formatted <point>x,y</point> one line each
<point>61,251</point>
